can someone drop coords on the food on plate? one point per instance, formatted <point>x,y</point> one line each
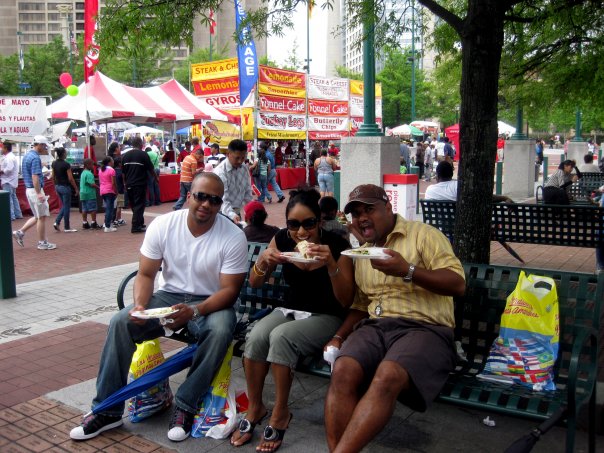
<point>302,247</point>
<point>359,252</point>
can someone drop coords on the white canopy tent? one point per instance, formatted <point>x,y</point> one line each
<point>506,129</point>
<point>143,130</point>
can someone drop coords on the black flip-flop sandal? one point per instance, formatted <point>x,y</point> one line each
<point>274,435</point>
<point>247,427</point>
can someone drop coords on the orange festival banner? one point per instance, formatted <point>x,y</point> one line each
<point>268,103</point>
<point>328,108</point>
<point>280,82</point>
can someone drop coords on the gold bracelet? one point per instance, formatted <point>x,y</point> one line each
<point>257,271</point>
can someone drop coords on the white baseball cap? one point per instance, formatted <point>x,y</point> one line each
<point>41,140</point>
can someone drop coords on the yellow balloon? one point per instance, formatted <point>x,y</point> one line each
<point>72,90</point>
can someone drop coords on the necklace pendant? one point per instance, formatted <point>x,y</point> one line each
<point>378,310</point>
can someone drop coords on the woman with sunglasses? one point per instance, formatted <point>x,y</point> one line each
<point>313,309</point>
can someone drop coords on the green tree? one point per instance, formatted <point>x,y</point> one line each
<point>396,89</point>
<point>346,73</point>
<point>42,66</point>
<point>181,72</point>
<point>561,32</point>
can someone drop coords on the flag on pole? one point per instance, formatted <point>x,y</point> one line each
<point>247,59</point>
<point>21,58</point>
<point>73,43</point>
<point>311,4</point>
<point>212,23</point>
<point>91,48</point>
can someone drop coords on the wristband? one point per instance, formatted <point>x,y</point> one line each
<point>337,271</point>
<point>258,272</point>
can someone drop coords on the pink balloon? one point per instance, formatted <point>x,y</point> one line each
<point>65,79</point>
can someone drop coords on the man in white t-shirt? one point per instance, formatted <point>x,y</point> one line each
<point>203,257</point>
<point>445,187</point>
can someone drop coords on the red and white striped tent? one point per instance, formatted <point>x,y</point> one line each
<point>106,100</point>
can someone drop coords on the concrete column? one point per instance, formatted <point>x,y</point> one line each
<point>519,169</point>
<point>364,160</point>
<point>576,151</point>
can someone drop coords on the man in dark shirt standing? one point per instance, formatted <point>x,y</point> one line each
<point>137,169</point>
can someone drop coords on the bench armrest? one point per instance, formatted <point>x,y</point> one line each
<point>581,336</point>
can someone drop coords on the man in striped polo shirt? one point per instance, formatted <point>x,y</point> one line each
<point>402,344</point>
<point>191,165</point>
<point>31,167</point>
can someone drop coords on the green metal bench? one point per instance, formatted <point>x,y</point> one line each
<point>477,317</point>
<point>579,192</point>
<point>563,225</point>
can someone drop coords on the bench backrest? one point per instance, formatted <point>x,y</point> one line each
<point>272,291</point>
<point>478,313</point>
<point>571,226</point>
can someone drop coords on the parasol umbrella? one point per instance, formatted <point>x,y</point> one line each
<point>525,444</point>
<point>172,365</point>
<point>406,130</point>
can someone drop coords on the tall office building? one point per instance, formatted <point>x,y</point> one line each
<point>343,49</point>
<point>35,22</point>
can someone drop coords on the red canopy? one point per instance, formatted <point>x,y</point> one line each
<point>453,133</point>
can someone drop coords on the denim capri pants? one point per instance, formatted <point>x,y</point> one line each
<point>326,182</point>
<point>281,339</point>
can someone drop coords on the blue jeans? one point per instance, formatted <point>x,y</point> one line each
<point>263,188</point>
<point>214,334</point>
<point>185,188</point>
<point>272,180</point>
<point>65,196</point>
<point>325,181</point>
<point>15,209</point>
<point>109,203</point>
<point>153,189</point>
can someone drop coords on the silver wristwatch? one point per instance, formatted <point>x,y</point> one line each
<point>195,312</point>
<point>407,278</point>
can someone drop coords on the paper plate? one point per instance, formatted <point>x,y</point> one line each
<point>368,253</point>
<point>154,313</point>
<point>296,257</point>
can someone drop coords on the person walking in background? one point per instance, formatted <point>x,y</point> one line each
<point>108,189</point>
<point>236,178</point>
<point>184,153</point>
<point>31,167</point>
<point>260,169</point>
<point>115,152</point>
<point>9,179</point>
<point>539,151</point>
<point>170,154</point>
<point>153,196</point>
<point>63,179</point>
<point>272,174</point>
<point>88,190</point>
<point>325,166</point>
<point>191,165</point>
<point>137,168</point>
<point>420,154</point>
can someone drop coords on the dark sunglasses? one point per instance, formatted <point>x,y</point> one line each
<point>307,224</point>
<point>214,200</point>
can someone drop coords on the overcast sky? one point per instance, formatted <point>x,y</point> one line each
<point>280,47</point>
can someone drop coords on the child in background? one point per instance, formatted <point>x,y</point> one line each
<point>120,201</point>
<point>88,190</point>
<point>329,212</point>
<point>108,189</point>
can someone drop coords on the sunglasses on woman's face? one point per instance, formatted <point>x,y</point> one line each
<point>202,197</point>
<point>307,224</point>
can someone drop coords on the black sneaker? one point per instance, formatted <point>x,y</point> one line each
<point>93,425</point>
<point>86,226</point>
<point>281,198</point>
<point>180,425</point>
<point>95,226</point>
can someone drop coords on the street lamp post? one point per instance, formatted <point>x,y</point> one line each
<point>412,60</point>
<point>369,128</point>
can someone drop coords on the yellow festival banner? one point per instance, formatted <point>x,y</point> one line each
<point>214,70</point>
<point>216,131</point>
<point>247,121</point>
<point>281,135</point>
<point>357,87</point>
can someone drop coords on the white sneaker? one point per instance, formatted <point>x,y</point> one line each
<point>110,229</point>
<point>70,230</point>
<point>45,245</point>
<point>19,235</point>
